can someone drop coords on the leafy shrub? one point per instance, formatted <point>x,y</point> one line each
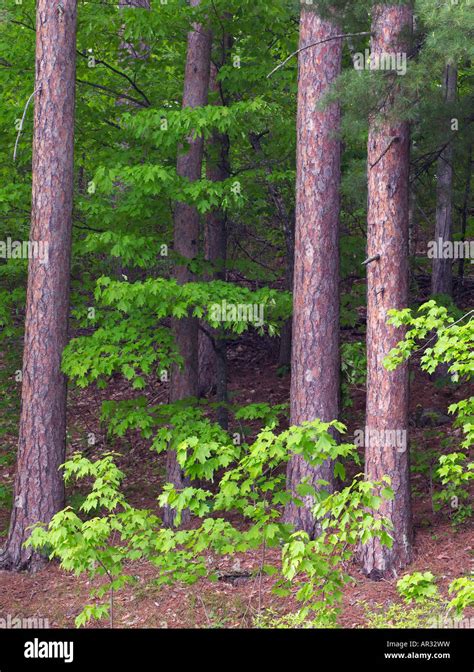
<point>451,343</point>
<point>418,587</point>
<point>271,620</point>
<point>420,615</point>
<point>455,474</point>
<point>463,589</point>
<point>253,485</point>
<point>424,606</point>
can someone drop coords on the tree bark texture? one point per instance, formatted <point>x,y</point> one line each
<point>442,276</point>
<point>184,381</point>
<point>315,352</point>
<point>387,288</point>
<point>215,243</point>
<point>39,487</point>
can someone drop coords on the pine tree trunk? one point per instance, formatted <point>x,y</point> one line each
<point>184,381</point>
<point>39,486</point>
<point>387,287</point>
<point>315,352</point>
<point>442,278</point>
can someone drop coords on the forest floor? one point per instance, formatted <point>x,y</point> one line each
<point>55,595</point>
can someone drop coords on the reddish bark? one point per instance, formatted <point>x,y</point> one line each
<point>39,488</point>
<point>315,352</point>
<point>387,287</point>
<point>442,278</point>
<point>184,381</point>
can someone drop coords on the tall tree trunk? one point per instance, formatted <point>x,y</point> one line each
<point>39,487</point>
<point>442,278</point>
<point>184,381</point>
<point>387,287</point>
<point>215,251</point>
<point>315,351</point>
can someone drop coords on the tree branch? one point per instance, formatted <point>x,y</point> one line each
<point>121,74</point>
<point>112,93</point>
<point>314,44</point>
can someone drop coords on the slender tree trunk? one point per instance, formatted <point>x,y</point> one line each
<point>184,381</point>
<point>139,53</point>
<point>465,210</point>
<point>315,351</point>
<point>284,355</point>
<point>442,278</point>
<point>39,487</point>
<point>412,223</point>
<point>215,249</point>
<point>387,287</point>
<point>221,383</point>
<point>287,222</point>
<point>284,352</point>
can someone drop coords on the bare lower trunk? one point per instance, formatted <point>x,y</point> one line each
<point>315,353</point>
<point>284,353</point>
<point>184,380</point>
<point>39,487</point>
<point>221,383</point>
<point>387,287</point>
<point>442,279</point>
<point>215,241</point>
